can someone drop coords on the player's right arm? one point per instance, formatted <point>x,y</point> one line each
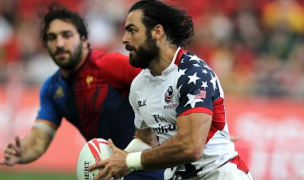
<point>32,146</point>
<point>38,140</point>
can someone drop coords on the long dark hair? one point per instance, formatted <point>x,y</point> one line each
<point>177,24</point>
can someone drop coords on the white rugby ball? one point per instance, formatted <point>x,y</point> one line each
<point>93,151</point>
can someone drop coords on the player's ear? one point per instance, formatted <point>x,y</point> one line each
<point>85,42</point>
<point>157,32</point>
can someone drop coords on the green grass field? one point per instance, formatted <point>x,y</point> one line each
<point>12,175</point>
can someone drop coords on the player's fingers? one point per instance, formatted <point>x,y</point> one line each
<point>2,161</point>
<point>10,151</point>
<point>17,149</point>
<point>111,145</point>
<point>6,155</point>
<point>97,165</point>
<point>108,177</point>
<point>9,145</point>
<point>102,173</point>
<point>5,161</point>
<point>18,143</point>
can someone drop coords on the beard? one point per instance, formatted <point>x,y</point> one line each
<point>70,63</point>
<point>146,53</point>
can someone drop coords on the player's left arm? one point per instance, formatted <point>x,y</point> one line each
<point>147,136</point>
<point>187,146</point>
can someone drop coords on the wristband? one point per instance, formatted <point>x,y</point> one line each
<point>133,161</point>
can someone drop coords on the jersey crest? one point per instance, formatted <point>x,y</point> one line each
<point>59,93</point>
<point>169,95</point>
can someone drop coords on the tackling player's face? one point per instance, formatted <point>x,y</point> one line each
<point>64,44</point>
<point>143,49</point>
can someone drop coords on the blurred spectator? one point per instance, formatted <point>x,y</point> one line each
<point>287,13</point>
<point>104,19</point>
<point>255,46</point>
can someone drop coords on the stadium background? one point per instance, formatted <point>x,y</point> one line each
<point>255,46</point>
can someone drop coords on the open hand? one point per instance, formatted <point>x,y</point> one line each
<point>115,166</point>
<point>12,154</point>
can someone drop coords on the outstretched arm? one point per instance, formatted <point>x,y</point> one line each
<point>32,146</point>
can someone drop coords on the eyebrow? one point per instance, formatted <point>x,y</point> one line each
<point>61,32</point>
<point>129,26</point>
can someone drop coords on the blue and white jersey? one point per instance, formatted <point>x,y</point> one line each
<point>187,86</point>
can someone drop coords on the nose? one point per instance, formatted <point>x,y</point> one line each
<point>59,41</point>
<point>125,39</point>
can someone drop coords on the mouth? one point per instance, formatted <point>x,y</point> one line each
<point>129,48</point>
<point>61,54</point>
<point>131,52</point>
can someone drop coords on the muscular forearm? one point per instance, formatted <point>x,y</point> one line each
<point>187,146</point>
<point>172,153</point>
<point>34,145</point>
<point>31,150</point>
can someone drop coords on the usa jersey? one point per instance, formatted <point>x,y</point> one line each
<point>187,86</point>
<point>94,99</point>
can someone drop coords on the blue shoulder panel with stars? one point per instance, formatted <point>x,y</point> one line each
<point>197,85</point>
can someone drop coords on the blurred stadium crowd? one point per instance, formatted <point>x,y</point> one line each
<point>255,46</point>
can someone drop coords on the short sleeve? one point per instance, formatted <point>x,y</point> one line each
<point>138,121</point>
<point>47,109</point>
<point>198,86</point>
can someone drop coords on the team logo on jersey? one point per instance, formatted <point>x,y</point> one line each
<point>142,103</point>
<point>171,106</point>
<point>165,128</point>
<point>201,94</point>
<point>159,118</point>
<point>89,80</point>
<point>59,93</point>
<point>169,95</point>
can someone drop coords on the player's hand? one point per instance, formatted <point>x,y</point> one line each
<point>12,154</point>
<point>115,166</point>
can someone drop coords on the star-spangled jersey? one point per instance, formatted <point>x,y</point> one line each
<point>187,86</point>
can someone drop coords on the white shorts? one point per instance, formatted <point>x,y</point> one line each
<point>228,171</point>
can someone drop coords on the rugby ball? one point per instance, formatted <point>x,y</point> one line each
<point>93,151</point>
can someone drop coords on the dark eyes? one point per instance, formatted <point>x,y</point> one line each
<point>132,31</point>
<point>65,35</point>
<point>50,37</point>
